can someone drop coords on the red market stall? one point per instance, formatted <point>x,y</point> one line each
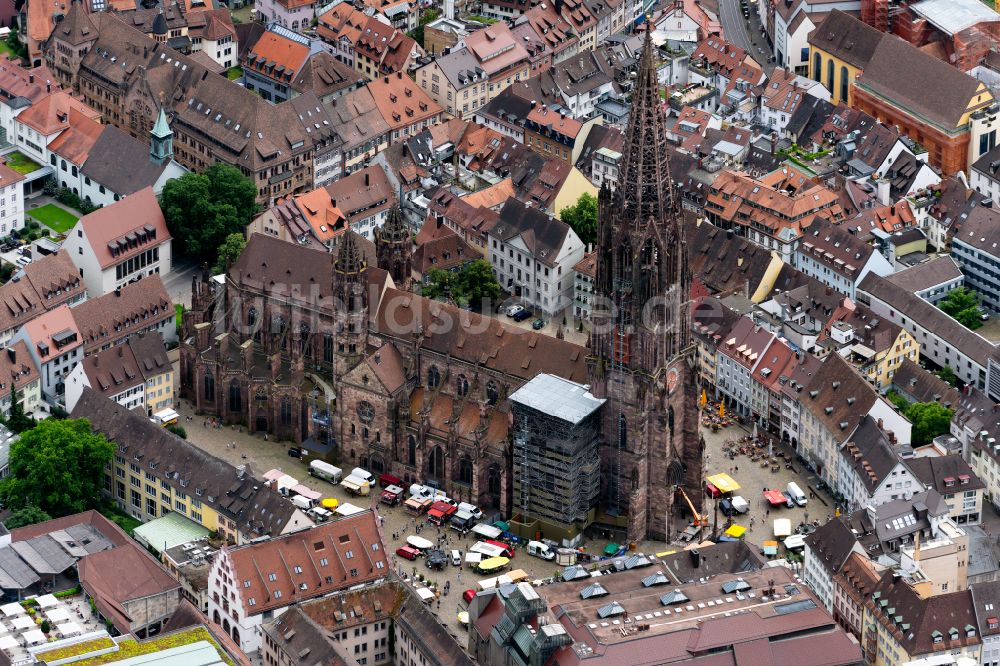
<point>774,497</point>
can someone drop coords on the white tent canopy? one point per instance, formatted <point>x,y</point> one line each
<point>57,615</point>
<point>34,637</point>
<point>22,623</point>
<point>46,600</point>
<point>425,594</point>
<point>12,610</point>
<point>69,629</point>
<point>8,642</point>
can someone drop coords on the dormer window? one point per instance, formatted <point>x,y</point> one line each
<point>949,482</point>
<point>963,479</point>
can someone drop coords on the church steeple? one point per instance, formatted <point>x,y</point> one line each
<point>393,245</point>
<point>161,139</point>
<point>644,188</point>
<point>350,291</point>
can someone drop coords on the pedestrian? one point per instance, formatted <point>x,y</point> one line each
<point>737,468</point>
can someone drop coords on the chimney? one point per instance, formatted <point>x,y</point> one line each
<point>11,354</point>
<point>118,291</point>
<point>31,78</point>
<point>399,75</point>
<point>387,79</point>
<point>880,424</point>
<point>916,548</point>
<point>882,189</point>
<point>695,558</point>
<point>774,143</point>
<point>534,103</point>
<point>367,179</point>
<point>97,360</point>
<point>48,86</point>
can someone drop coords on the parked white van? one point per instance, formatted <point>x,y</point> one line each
<point>796,494</point>
<point>364,474</point>
<point>324,470</point>
<point>539,549</point>
<point>472,509</point>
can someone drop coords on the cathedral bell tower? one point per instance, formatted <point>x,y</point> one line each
<point>350,293</point>
<point>641,340</point>
<point>393,247</point>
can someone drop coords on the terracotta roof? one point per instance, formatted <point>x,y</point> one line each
<point>839,397</point>
<point>121,575</point>
<point>401,101</point>
<point>445,251</point>
<point>75,142</point>
<point>141,358</point>
<point>310,563</point>
<point>388,365</point>
<point>119,314</point>
<point>846,37</point>
<point>48,282</point>
<point>17,368</point>
<point>132,225</point>
<point>362,194</point>
<point>496,49</point>
<point>325,75</point>
<point>52,113</point>
<point>358,119</point>
<point>493,196</point>
<point>836,248</point>
<point>560,123</point>
<point>782,92</point>
<point>831,544</point>
<point>17,81</point>
<point>277,57</point>
<point>57,322</point>
<point>588,265</point>
<point>889,219</point>
<point>721,55</point>
<point>256,509</point>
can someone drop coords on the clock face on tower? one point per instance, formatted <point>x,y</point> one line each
<point>672,377</point>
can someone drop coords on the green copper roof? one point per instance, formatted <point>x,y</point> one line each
<point>161,129</point>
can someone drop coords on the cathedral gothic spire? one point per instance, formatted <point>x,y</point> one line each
<point>393,246</point>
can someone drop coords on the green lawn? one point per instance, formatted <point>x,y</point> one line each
<point>20,162</point>
<point>234,73</point>
<point>54,217</point>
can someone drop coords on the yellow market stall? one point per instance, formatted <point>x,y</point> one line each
<point>736,531</point>
<point>724,483</point>
<point>493,564</point>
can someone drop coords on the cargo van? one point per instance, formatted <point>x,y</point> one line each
<point>302,502</point>
<point>539,549</point>
<point>417,490</point>
<point>471,509</point>
<point>356,485</point>
<point>392,495</point>
<point>319,514</point>
<point>165,417</point>
<point>364,474</point>
<point>796,494</point>
<point>324,470</point>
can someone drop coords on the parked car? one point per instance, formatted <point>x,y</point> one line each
<point>456,558</point>
<point>522,314</point>
<point>726,507</point>
<point>789,501</point>
<point>514,310</point>
<point>24,261</point>
<point>408,552</point>
<point>538,324</point>
<point>294,452</point>
<point>468,595</point>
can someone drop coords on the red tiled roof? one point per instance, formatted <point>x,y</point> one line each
<point>125,223</point>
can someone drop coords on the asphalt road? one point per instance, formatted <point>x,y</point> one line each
<point>745,34</point>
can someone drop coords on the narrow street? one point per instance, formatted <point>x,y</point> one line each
<point>745,34</point>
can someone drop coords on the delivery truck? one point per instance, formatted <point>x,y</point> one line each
<point>324,470</point>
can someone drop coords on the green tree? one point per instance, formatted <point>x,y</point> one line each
<point>29,515</point>
<point>899,401</point>
<point>57,466</point>
<point>229,251</point>
<point>467,287</point>
<point>929,419</point>
<point>178,430</point>
<point>17,420</point>
<point>203,209</point>
<point>962,305</point>
<point>946,374</point>
<point>417,34</point>
<point>582,217</point>
<point>476,282</point>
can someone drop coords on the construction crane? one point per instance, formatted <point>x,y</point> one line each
<point>698,519</point>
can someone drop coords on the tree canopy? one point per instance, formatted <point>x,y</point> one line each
<point>929,419</point>
<point>57,466</point>
<point>946,374</point>
<point>582,218</point>
<point>229,251</point>
<point>203,209</point>
<point>467,287</point>
<point>29,515</point>
<point>962,305</point>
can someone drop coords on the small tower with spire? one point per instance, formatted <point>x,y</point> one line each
<point>393,247</point>
<point>161,143</point>
<point>350,293</point>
